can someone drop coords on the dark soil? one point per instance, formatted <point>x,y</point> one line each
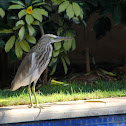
<point>102,71</point>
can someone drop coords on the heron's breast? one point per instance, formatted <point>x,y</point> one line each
<point>44,59</point>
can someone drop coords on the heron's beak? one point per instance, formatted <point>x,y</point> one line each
<point>59,38</point>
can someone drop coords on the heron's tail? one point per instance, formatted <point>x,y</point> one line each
<point>13,86</point>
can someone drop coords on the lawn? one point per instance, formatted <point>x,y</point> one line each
<point>72,91</point>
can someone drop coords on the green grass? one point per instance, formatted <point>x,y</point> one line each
<point>56,93</point>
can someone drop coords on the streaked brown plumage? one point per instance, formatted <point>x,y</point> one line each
<point>36,59</point>
<point>34,63</point>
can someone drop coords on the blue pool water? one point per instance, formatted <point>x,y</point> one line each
<point>110,120</point>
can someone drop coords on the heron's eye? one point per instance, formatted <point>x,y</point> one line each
<point>50,37</point>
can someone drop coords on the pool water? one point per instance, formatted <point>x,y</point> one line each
<point>109,120</point>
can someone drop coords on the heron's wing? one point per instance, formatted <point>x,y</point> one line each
<point>26,70</point>
<point>31,67</point>
<point>26,67</point>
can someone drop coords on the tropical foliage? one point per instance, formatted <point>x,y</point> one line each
<point>20,20</point>
<point>61,49</point>
<point>23,30</point>
<point>20,26</point>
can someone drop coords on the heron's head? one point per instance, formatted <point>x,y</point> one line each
<point>53,38</point>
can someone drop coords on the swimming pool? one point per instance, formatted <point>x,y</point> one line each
<point>111,120</point>
<point>111,112</point>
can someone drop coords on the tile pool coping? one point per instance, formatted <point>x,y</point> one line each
<point>63,110</point>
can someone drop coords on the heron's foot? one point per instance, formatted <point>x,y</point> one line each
<point>30,106</point>
<point>38,106</point>
<point>35,106</point>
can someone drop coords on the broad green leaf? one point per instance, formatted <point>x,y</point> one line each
<point>18,27</point>
<point>36,14</point>
<point>44,12</point>
<point>53,61</point>
<point>31,30</point>
<point>15,7</point>
<point>57,45</point>
<point>66,58</point>
<point>60,30</point>
<point>18,2</point>
<point>14,17</point>
<point>54,82</point>
<point>73,44</point>
<point>38,4</point>
<point>30,39</point>
<point>25,46</point>
<point>2,12</point>
<point>10,43</point>
<point>18,40</point>
<point>76,20</point>
<point>107,73</point>
<point>21,33</point>
<point>64,65</point>
<point>20,22</point>
<point>76,9</point>
<point>55,53</point>
<point>57,2</point>
<point>53,70</point>
<point>67,44</point>
<point>70,11</point>
<point>22,13</point>
<point>63,6</point>
<point>18,50</point>
<point>29,19</point>
<point>48,8</point>
<point>35,1</point>
<point>6,31</point>
<point>36,22</point>
<point>81,14</point>
<point>62,49</point>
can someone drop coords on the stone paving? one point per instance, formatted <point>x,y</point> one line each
<point>62,110</point>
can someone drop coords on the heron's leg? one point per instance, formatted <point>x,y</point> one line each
<point>29,92</point>
<point>33,90</point>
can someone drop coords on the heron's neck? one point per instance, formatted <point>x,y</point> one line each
<point>42,45</point>
<point>46,47</point>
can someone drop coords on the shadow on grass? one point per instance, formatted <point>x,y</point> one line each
<point>6,93</point>
<point>73,87</point>
<point>82,87</point>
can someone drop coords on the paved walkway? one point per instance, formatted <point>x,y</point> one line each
<point>70,109</point>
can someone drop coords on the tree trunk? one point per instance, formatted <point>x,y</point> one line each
<point>87,60</point>
<point>87,57</point>
<point>45,76</point>
<point>41,30</point>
